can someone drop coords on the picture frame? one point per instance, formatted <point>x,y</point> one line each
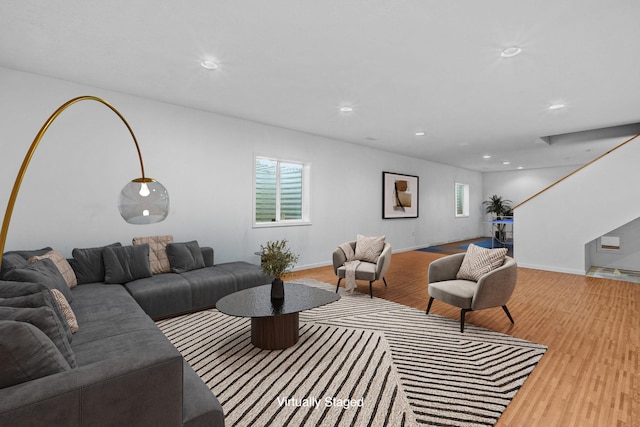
<point>400,195</point>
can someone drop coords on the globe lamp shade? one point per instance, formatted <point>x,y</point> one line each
<point>143,201</point>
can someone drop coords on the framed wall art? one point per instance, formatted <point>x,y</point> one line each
<point>399,195</point>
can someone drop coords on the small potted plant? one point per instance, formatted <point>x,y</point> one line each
<point>277,260</point>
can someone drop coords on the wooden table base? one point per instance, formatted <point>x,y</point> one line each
<point>275,332</point>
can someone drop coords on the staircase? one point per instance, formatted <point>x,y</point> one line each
<point>552,228</point>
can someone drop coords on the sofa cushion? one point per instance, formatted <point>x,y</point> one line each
<point>458,293</point>
<point>105,310</point>
<point>17,289</point>
<point>88,264</point>
<point>185,256</point>
<point>209,284</point>
<point>26,353</point>
<point>45,272</point>
<point>126,263</point>
<point>61,263</point>
<point>46,320</point>
<point>364,271</point>
<point>369,248</point>
<point>158,258</point>
<point>18,259</point>
<point>140,343</point>
<point>44,298</point>
<point>479,261</point>
<point>247,275</point>
<point>162,295</point>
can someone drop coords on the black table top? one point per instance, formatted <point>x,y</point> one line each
<point>256,302</point>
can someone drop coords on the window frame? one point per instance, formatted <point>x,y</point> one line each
<point>306,199</point>
<point>465,200</point>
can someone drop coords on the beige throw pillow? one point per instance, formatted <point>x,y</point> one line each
<point>369,248</point>
<point>66,310</point>
<point>479,261</point>
<point>158,259</point>
<point>61,264</point>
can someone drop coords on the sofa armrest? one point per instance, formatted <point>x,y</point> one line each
<point>384,261</point>
<point>207,254</point>
<point>338,259</point>
<point>495,288</point>
<point>134,390</point>
<point>445,268</point>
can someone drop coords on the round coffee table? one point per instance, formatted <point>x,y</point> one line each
<point>274,323</point>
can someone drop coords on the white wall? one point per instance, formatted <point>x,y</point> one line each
<point>519,185</point>
<point>553,228</point>
<point>69,195</point>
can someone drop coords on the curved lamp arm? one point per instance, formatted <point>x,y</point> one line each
<point>27,159</point>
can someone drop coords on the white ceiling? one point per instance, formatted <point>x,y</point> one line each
<point>405,66</point>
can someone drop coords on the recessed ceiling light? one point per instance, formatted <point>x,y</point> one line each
<point>346,109</point>
<point>486,156</point>
<point>506,163</point>
<point>209,64</point>
<point>510,52</point>
<point>421,133</point>
<point>520,167</point>
<point>556,106</point>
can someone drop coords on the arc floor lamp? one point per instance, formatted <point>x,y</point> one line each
<point>142,201</point>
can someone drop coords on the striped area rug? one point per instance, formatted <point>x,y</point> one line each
<point>359,362</point>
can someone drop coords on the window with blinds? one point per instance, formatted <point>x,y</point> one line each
<point>462,199</point>
<point>280,192</point>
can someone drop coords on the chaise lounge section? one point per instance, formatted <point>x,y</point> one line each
<point>118,368</point>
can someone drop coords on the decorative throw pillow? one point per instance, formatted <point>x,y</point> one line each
<point>369,248</point>
<point>28,355</point>
<point>44,272</point>
<point>46,320</point>
<point>44,298</point>
<point>61,263</point>
<point>478,261</point>
<point>126,263</point>
<point>88,263</point>
<point>185,257</point>
<point>65,309</point>
<point>18,259</point>
<point>158,258</point>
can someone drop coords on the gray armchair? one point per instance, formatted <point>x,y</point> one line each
<point>492,290</point>
<point>366,270</point>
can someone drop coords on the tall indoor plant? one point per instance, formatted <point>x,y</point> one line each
<point>277,260</point>
<point>500,208</point>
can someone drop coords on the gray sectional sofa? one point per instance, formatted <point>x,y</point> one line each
<point>118,368</point>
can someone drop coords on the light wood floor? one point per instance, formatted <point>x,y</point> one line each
<point>589,374</point>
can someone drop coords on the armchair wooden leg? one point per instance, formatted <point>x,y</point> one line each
<point>429,305</point>
<point>338,285</point>
<point>385,281</point>
<point>462,314</point>
<point>371,288</point>
<point>506,310</point>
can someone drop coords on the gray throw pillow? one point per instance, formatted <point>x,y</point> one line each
<point>88,263</point>
<point>26,353</point>
<point>41,299</point>
<point>185,257</point>
<point>126,263</point>
<point>46,320</point>
<point>43,271</point>
<point>18,259</point>
<point>18,289</point>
